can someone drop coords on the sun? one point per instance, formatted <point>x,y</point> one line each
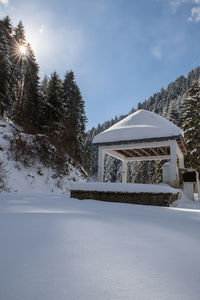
<point>22,50</point>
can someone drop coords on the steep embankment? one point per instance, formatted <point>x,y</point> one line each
<point>30,163</point>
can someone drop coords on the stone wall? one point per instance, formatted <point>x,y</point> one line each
<point>158,199</point>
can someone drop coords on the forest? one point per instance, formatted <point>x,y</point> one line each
<point>49,106</point>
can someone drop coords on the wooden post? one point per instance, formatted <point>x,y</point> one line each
<point>124,171</point>
<point>180,157</point>
<point>173,171</point>
<point>101,155</point>
<point>181,161</point>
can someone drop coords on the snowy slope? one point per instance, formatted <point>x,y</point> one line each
<point>36,177</point>
<point>140,125</point>
<point>53,247</point>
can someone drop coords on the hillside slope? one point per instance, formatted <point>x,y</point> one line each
<point>31,163</point>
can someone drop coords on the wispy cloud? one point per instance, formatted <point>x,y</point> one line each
<point>4,2</point>
<point>175,3</point>
<point>195,10</point>
<point>157,52</point>
<point>195,14</point>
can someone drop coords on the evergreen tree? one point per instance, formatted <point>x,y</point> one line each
<point>175,114</point>
<point>54,112</point>
<point>32,106</point>
<point>12,82</point>
<point>19,34</point>
<point>191,125</point>
<point>158,170</point>
<point>44,86</point>
<point>5,67</point>
<point>20,66</point>
<point>75,119</point>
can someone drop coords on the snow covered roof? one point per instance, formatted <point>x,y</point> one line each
<point>141,125</point>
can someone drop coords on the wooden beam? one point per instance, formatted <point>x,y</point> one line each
<point>115,154</point>
<point>131,151</point>
<point>145,158</point>
<point>137,152</point>
<point>164,150</point>
<point>154,151</point>
<point>182,146</point>
<point>132,146</point>
<point>128,152</point>
<point>145,151</point>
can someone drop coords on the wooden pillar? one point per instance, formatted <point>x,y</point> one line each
<point>173,170</point>
<point>101,155</point>
<point>181,161</point>
<point>180,157</point>
<point>124,171</point>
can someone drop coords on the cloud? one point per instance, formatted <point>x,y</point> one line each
<point>195,14</point>
<point>175,3</point>
<point>157,52</point>
<point>195,11</point>
<point>4,2</point>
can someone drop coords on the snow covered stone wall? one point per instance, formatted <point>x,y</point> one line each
<point>146,194</point>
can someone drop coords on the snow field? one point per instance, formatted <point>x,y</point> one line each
<point>54,247</point>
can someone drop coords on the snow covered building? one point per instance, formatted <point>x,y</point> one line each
<point>142,136</point>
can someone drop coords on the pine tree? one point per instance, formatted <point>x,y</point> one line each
<point>12,83</point>
<point>5,67</point>
<point>75,119</point>
<point>54,111</point>
<point>158,170</point>
<point>175,114</point>
<point>19,34</point>
<point>19,62</point>
<point>44,86</point>
<point>191,125</point>
<point>31,110</point>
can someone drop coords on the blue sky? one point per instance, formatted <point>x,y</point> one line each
<point>122,51</point>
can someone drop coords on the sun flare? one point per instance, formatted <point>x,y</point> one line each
<point>22,50</point>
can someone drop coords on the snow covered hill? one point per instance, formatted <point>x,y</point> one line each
<point>25,172</point>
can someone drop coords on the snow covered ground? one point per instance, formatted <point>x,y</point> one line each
<point>56,248</point>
